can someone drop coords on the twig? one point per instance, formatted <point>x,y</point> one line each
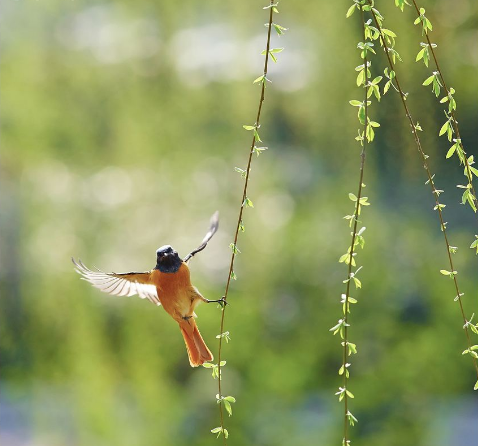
<point>452,112</point>
<point>239,225</point>
<point>435,192</point>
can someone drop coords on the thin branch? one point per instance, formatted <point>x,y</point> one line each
<point>435,192</point>
<point>452,112</point>
<point>352,243</point>
<point>241,209</point>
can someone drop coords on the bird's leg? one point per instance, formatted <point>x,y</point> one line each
<point>186,318</point>
<point>221,301</point>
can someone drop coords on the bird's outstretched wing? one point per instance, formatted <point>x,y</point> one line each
<point>120,284</point>
<point>214,224</point>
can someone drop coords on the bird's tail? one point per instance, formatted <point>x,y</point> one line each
<point>197,349</point>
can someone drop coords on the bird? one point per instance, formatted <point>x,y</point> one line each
<point>167,284</point>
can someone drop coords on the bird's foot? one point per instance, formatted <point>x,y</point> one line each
<point>222,301</point>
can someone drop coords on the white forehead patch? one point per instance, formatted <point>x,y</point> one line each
<point>164,248</point>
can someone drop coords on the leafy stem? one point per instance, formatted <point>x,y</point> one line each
<point>452,123</point>
<point>224,402</point>
<point>438,207</point>
<point>370,87</point>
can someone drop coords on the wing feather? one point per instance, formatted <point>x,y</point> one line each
<point>120,284</point>
<point>213,225</point>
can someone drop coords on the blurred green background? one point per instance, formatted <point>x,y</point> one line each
<point>121,128</point>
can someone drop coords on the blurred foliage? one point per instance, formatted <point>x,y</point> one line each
<point>122,125</point>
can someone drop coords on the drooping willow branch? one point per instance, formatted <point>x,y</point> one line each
<point>452,273</point>
<point>451,125</point>
<point>348,417</point>
<point>365,136</point>
<point>224,402</point>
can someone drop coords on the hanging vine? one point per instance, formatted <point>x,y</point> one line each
<point>225,402</point>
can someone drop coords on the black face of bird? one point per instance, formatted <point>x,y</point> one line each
<point>167,259</point>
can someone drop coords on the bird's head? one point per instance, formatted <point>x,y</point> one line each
<point>167,259</point>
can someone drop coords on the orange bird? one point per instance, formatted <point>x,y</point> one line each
<point>169,285</point>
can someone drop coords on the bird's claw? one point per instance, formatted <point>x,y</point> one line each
<point>222,301</point>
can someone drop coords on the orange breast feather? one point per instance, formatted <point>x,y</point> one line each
<point>174,290</point>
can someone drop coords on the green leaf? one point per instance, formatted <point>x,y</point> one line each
<point>259,79</point>
<point>361,115</point>
<point>234,248</point>
<point>451,151</point>
<point>361,78</point>
<point>279,29</point>
<point>352,348</point>
<point>351,418</point>
<point>444,128</point>
<point>387,87</point>
<point>272,53</point>
<point>227,406</point>
<point>259,150</point>
<point>388,32</point>
<point>428,24</point>
<point>343,258</point>
<point>249,127</point>
<point>216,430</point>
<point>450,274</point>
<point>420,55</point>
<point>470,351</point>
<point>241,171</point>
<point>364,201</point>
<point>428,80</point>
<point>227,338</point>
<point>247,203</point>
<point>256,135</point>
<point>350,11</point>
<point>474,245</point>
<point>436,86</point>
<point>357,282</point>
